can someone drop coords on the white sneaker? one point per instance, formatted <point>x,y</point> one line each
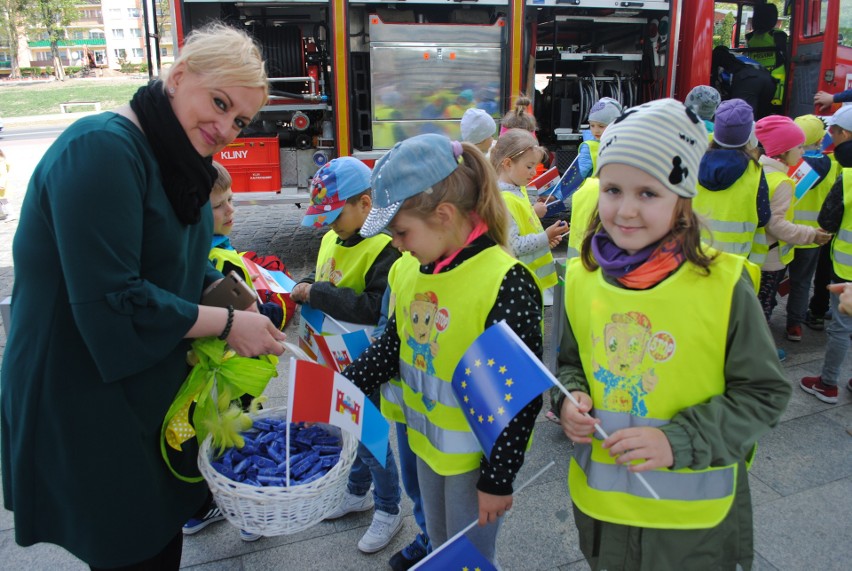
<point>381,531</point>
<point>352,503</point>
<point>249,536</point>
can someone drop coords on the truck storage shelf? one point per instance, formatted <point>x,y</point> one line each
<point>568,56</point>
<point>272,106</point>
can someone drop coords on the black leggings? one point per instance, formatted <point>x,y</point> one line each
<point>166,560</point>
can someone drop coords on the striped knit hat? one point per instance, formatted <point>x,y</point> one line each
<point>643,138</point>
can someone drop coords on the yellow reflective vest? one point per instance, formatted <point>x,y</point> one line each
<point>806,210</point>
<point>731,214</point>
<point>769,60</point>
<point>348,266</point>
<point>584,203</point>
<point>593,145</point>
<point>540,263</point>
<point>438,316</point>
<point>841,246</point>
<point>645,363</point>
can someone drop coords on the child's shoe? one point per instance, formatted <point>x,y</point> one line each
<point>381,531</point>
<point>782,355</point>
<point>411,554</point>
<point>352,503</point>
<point>815,322</point>
<point>196,524</point>
<point>794,332</point>
<point>815,386</point>
<point>249,536</point>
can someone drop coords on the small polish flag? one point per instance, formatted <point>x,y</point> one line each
<point>318,394</point>
<point>338,351</point>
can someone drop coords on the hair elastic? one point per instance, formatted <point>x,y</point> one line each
<point>457,151</point>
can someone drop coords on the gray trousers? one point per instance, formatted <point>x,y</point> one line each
<point>450,503</point>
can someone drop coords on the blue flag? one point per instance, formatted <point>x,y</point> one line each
<point>496,377</point>
<point>459,554</point>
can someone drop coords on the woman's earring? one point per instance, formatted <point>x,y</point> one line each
<point>171,90</point>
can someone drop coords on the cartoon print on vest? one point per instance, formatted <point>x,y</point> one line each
<point>329,273</point>
<point>423,316</point>
<point>625,378</point>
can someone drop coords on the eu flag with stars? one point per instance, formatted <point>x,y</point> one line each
<point>497,377</point>
<point>460,554</point>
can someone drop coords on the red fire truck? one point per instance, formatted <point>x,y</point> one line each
<point>354,77</point>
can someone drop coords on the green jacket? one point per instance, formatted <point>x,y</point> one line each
<point>107,282</point>
<point>707,435</point>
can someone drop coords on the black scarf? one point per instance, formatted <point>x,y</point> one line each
<point>187,176</point>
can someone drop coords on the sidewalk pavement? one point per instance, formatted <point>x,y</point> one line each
<point>801,482</point>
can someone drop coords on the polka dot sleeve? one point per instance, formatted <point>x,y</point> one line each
<point>378,363</point>
<point>519,303</point>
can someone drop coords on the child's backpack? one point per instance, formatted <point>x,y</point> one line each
<point>275,264</point>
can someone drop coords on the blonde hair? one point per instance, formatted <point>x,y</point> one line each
<point>686,228</point>
<point>472,188</point>
<point>512,145</point>
<point>518,118</point>
<point>223,179</point>
<point>223,55</point>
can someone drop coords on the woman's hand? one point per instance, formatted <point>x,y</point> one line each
<point>491,507</point>
<point>575,424</point>
<point>253,334</point>
<point>640,443</point>
<point>845,293</point>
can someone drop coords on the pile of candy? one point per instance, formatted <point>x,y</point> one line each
<point>263,459</point>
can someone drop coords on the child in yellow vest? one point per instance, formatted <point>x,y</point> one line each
<point>514,157</point>
<point>351,278</point>
<point>440,201</point>
<point>602,113</point>
<point>683,388</point>
<point>835,216</point>
<point>782,141</point>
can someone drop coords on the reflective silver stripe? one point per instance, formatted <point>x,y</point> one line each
<point>392,393</point>
<point>683,486</point>
<point>809,215</point>
<point>726,226</point>
<point>845,235</point>
<point>447,441</point>
<point>618,420</point>
<point>573,252</point>
<point>786,248</point>
<point>760,238</point>
<point>842,257</point>
<point>737,248</point>
<point>756,258</point>
<point>429,386</point>
<point>544,271</point>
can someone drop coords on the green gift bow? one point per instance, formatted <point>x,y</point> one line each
<point>219,377</point>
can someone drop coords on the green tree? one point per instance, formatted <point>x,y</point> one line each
<point>724,31</point>
<point>11,18</point>
<point>52,16</point>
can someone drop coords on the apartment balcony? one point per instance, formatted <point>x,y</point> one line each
<point>69,43</point>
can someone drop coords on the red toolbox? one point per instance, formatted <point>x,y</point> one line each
<point>254,164</point>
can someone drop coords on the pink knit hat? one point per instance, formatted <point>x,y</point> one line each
<point>778,134</point>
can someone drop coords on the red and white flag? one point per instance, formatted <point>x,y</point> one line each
<point>318,394</point>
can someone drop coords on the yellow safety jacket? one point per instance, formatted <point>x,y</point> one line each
<point>645,363</point>
<point>348,266</point>
<point>806,210</point>
<point>438,316</point>
<point>391,392</point>
<point>769,60</point>
<point>731,214</point>
<point>773,179</point>
<point>841,245</point>
<point>528,223</point>
<point>584,203</point>
<point>593,145</point>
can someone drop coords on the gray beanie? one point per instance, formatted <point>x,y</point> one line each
<point>703,100</point>
<point>663,138</point>
<point>477,125</point>
<point>605,111</point>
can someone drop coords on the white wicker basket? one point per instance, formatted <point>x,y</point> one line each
<point>280,510</point>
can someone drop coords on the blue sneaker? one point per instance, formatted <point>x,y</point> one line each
<point>782,355</point>
<point>249,536</point>
<point>410,555</point>
<point>196,524</point>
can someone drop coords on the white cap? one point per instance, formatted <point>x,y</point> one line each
<point>477,125</point>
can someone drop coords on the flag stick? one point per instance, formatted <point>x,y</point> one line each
<point>599,429</point>
<point>474,522</point>
<point>291,385</point>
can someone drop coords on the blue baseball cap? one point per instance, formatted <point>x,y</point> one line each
<point>333,183</point>
<point>409,168</point>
